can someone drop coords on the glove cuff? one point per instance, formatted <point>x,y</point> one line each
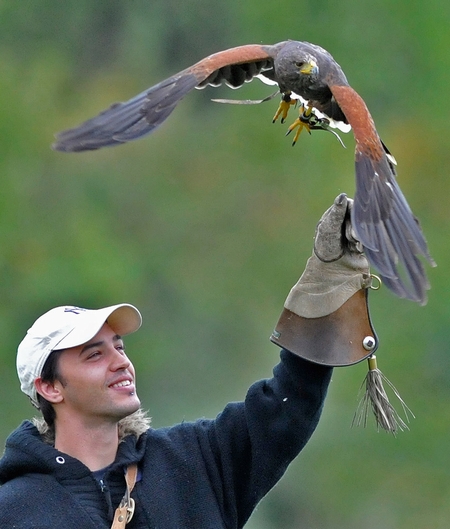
<point>324,287</point>
<point>342,338</point>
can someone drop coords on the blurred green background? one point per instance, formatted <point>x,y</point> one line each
<point>206,224</point>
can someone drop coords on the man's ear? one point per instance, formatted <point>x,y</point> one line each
<point>51,391</point>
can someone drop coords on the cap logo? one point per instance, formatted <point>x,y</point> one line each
<point>74,310</point>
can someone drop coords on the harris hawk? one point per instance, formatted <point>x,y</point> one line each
<point>381,217</point>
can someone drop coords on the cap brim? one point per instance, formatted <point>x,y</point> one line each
<point>123,319</point>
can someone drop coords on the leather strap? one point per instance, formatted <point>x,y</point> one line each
<point>124,512</point>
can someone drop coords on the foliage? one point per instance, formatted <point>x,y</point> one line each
<point>206,224</point>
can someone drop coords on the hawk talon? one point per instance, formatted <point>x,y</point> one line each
<point>300,125</point>
<point>307,119</point>
<point>283,108</point>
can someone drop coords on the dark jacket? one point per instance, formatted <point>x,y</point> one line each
<point>209,474</point>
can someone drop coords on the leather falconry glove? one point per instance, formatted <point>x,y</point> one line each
<point>325,317</point>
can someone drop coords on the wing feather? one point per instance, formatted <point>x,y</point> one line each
<point>388,230</point>
<point>381,216</point>
<point>142,114</point>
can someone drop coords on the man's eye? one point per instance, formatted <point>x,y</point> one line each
<point>95,354</point>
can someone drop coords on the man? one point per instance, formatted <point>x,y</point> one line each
<point>68,469</point>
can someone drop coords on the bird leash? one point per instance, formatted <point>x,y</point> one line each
<point>125,511</point>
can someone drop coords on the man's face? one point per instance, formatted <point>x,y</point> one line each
<point>97,380</point>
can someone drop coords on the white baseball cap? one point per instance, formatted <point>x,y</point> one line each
<point>64,327</point>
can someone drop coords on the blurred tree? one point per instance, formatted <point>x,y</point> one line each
<point>207,224</point>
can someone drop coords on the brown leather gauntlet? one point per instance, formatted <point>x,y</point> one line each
<point>326,316</point>
<point>342,338</point>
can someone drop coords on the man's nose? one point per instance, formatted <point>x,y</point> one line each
<point>119,360</point>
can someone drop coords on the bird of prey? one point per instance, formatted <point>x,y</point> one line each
<point>381,217</point>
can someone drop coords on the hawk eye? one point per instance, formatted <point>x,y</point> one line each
<point>299,64</point>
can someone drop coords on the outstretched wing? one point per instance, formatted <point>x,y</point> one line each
<point>145,112</point>
<point>381,216</point>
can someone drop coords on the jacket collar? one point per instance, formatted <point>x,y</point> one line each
<point>26,451</point>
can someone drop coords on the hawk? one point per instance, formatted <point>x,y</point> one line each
<point>381,217</point>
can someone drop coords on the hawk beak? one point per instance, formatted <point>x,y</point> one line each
<point>309,68</point>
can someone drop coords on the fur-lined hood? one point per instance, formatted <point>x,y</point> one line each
<point>29,450</point>
<point>135,424</point>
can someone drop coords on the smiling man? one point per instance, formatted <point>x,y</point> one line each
<point>95,386</point>
<point>94,462</point>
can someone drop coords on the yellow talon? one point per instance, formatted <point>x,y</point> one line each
<point>283,108</point>
<point>302,122</point>
<point>299,125</point>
